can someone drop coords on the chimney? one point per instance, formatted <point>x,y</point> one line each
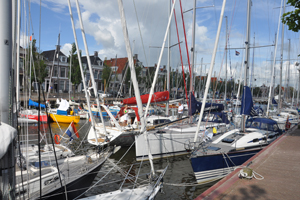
<point>95,54</point>
<point>135,56</point>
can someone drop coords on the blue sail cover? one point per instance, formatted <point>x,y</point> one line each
<point>195,106</point>
<point>273,101</point>
<point>247,103</point>
<point>35,104</point>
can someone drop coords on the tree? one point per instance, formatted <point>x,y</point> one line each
<point>106,73</point>
<point>138,70</point>
<point>40,70</point>
<point>76,78</point>
<point>292,18</point>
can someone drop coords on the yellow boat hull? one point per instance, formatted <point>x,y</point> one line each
<point>64,118</point>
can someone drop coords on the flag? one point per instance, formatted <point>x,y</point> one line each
<point>30,37</point>
<point>71,130</point>
<point>237,53</point>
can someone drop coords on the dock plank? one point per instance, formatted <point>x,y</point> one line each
<point>278,164</point>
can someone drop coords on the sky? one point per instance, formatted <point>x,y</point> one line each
<point>147,23</point>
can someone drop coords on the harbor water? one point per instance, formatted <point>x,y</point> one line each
<point>179,180</point>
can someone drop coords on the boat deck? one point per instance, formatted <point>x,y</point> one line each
<point>72,170</point>
<point>278,164</point>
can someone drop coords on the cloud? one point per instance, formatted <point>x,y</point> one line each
<point>147,22</point>
<point>66,48</point>
<point>24,40</point>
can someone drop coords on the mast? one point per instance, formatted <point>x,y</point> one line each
<point>70,83</point>
<point>18,52</point>
<point>200,78</point>
<point>168,65</point>
<point>274,61</point>
<point>210,70</point>
<point>226,43</point>
<point>81,69</point>
<point>252,70</point>
<point>193,52</point>
<point>159,61</point>
<point>281,58</point>
<point>247,56</point>
<point>90,67</point>
<point>134,79</point>
<point>7,161</point>
<point>288,71</point>
<point>5,58</point>
<point>52,68</point>
<point>58,68</point>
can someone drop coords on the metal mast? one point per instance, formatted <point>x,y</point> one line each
<point>281,58</point>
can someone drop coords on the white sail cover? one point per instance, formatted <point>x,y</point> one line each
<point>8,133</point>
<point>64,105</point>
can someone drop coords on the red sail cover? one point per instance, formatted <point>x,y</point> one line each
<point>156,97</point>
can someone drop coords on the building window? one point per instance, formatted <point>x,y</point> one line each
<point>55,72</point>
<point>67,85</point>
<point>62,72</point>
<point>63,59</point>
<point>100,74</point>
<point>87,76</point>
<point>62,85</point>
<point>95,74</point>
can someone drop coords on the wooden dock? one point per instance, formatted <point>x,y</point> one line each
<point>278,164</point>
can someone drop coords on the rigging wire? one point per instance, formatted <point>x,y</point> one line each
<point>180,54</point>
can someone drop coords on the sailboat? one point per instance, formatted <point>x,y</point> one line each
<point>63,113</point>
<point>217,157</point>
<point>175,138</point>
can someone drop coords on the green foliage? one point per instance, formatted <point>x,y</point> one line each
<point>106,73</point>
<point>39,69</point>
<point>292,18</point>
<point>138,70</point>
<point>76,78</point>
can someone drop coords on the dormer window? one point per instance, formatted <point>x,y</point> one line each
<point>63,59</point>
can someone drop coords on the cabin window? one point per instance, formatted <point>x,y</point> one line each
<point>264,126</point>
<point>228,140</point>
<point>275,127</point>
<point>256,140</point>
<point>213,148</point>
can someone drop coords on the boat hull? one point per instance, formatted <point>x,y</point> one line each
<point>75,188</point>
<point>43,118</point>
<point>209,168</point>
<point>64,118</point>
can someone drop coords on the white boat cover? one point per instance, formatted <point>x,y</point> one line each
<point>8,133</point>
<point>64,105</point>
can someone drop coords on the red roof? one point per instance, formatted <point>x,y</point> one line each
<point>121,63</point>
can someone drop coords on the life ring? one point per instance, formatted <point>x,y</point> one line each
<point>57,139</point>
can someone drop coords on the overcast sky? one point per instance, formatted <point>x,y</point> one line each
<point>147,22</point>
